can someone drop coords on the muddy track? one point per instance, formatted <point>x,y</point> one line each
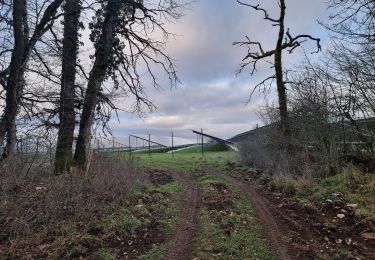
<point>180,245</point>
<point>266,219</point>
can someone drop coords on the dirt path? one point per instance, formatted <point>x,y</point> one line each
<point>181,242</point>
<point>266,219</point>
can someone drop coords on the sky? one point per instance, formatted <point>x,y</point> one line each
<point>212,96</point>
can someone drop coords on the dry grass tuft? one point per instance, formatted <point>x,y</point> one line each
<point>30,201</point>
<point>354,176</point>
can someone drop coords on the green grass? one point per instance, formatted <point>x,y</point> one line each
<point>359,189</point>
<point>187,161</point>
<point>355,186</point>
<point>246,240</point>
<point>232,232</point>
<point>169,208</point>
<point>141,208</point>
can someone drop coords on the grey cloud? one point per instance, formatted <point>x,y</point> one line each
<point>212,97</point>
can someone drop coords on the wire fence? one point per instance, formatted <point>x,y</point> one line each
<point>39,150</point>
<point>34,149</point>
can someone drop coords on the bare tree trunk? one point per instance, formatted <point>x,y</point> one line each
<point>64,153</point>
<point>281,90</point>
<point>95,81</point>
<point>20,56</point>
<point>16,72</point>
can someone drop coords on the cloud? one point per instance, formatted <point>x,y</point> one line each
<point>212,97</point>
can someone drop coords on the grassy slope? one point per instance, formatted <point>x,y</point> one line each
<point>228,227</point>
<point>185,160</point>
<point>352,185</point>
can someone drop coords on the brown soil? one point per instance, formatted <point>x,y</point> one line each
<point>181,242</point>
<point>132,246</point>
<point>298,232</point>
<point>221,200</point>
<point>159,177</point>
<point>318,230</point>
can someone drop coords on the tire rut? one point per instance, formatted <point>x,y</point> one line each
<point>180,245</point>
<point>266,219</point>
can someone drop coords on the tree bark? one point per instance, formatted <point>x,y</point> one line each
<point>96,78</point>
<point>281,90</point>
<point>7,126</point>
<point>64,153</point>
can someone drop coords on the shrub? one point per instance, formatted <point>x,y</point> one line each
<point>33,200</point>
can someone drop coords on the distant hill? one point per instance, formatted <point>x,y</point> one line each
<point>367,126</point>
<point>251,134</point>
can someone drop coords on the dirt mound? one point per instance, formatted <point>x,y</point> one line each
<point>160,177</point>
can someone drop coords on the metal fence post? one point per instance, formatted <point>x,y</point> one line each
<point>149,144</point>
<point>50,152</point>
<point>172,145</point>
<point>202,140</point>
<point>113,144</point>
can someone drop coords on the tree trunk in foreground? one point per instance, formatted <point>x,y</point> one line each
<point>8,125</point>
<point>281,90</point>
<point>97,76</point>
<point>64,152</point>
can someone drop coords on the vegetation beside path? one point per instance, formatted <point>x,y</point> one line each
<point>228,228</point>
<point>116,211</point>
<point>128,210</point>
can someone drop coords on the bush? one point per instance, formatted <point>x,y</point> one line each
<point>31,201</point>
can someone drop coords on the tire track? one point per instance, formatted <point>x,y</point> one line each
<point>265,217</point>
<point>180,245</point>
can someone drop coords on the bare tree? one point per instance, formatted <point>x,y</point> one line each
<point>122,34</point>
<point>64,153</point>
<point>353,21</point>
<point>285,41</point>
<point>24,43</point>
<point>8,124</point>
<point>352,71</point>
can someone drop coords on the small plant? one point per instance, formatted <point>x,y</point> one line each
<point>105,254</point>
<point>284,185</point>
<point>130,224</point>
<point>354,177</point>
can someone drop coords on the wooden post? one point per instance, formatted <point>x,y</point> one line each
<point>172,145</point>
<point>130,148</point>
